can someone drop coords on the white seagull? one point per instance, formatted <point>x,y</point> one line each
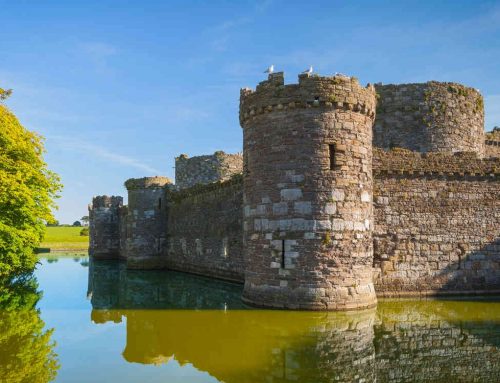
<point>270,69</point>
<point>308,71</point>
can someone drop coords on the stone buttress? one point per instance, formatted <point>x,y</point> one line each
<point>104,223</point>
<point>308,215</point>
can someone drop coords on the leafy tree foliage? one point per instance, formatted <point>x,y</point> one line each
<point>85,219</point>
<point>77,224</point>
<point>27,192</point>
<point>26,350</point>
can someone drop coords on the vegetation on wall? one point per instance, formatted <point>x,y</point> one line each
<point>27,192</point>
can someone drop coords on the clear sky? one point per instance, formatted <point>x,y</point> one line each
<point>119,88</point>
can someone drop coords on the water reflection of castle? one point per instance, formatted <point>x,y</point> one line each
<point>400,342</point>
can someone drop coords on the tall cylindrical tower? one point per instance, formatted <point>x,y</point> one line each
<point>104,224</point>
<point>308,193</point>
<point>146,222</point>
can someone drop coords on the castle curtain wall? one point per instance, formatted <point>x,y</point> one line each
<point>437,224</point>
<point>204,232</point>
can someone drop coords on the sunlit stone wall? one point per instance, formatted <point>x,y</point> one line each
<point>492,143</point>
<point>219,166</point>
<point>437,223</point>
<point>430,117</point>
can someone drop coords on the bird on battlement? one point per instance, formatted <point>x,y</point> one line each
<point>308,71</point>
<point>270,69</point>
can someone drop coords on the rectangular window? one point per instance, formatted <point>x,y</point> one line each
<point>331,148</point>
<point>159,204</point>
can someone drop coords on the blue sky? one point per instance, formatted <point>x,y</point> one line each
<point>119,88</point>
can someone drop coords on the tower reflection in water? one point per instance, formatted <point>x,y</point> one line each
<point>203,322</point>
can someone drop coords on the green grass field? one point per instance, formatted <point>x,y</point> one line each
<point>65,238</point>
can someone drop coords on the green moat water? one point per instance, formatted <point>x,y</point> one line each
<point>98,322</point>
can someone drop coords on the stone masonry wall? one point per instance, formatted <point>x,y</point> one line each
<point>308,193</point>
<point>146,221</point>
<point>492,143</point>
<point>204,231</point>
<point>104,226</point>
<point>219,166</point>
<point>437,224</point>
<point>429,117</point>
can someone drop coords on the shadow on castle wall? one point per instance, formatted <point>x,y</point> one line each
<point>474,273</point>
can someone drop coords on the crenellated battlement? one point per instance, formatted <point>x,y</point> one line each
<point>312,91</point>
<point>493,137</point>
<point>106,201</point>
<point>458,165</point>
<point>147,182</point>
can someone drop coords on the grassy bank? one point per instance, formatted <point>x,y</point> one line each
<point>65,239</point>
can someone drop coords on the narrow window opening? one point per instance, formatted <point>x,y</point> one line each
<point>283,254</point>
<point>332,156</point>
<point>159,203</point>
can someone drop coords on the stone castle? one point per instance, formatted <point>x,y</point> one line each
<point>342,194</point>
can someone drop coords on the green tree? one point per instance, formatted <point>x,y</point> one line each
<point>85,220</point>
<point>27,192</point>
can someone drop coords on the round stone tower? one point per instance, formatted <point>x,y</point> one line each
<point>146,222</point>
<point>104,226</point>
<point>308,216</point>
<point>430,117</point>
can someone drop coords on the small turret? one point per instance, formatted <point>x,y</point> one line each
<point>146,221</point>
<point>104,226</point>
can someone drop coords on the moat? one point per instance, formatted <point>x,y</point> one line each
<point>113,324</point>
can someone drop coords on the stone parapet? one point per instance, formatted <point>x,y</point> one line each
<point>147,182</point>
<point>330,93</point>
<point>106,201</point>
<point>405,162</point>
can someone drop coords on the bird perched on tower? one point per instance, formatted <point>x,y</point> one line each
<point>308,71</point>
<point>270,69</point>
